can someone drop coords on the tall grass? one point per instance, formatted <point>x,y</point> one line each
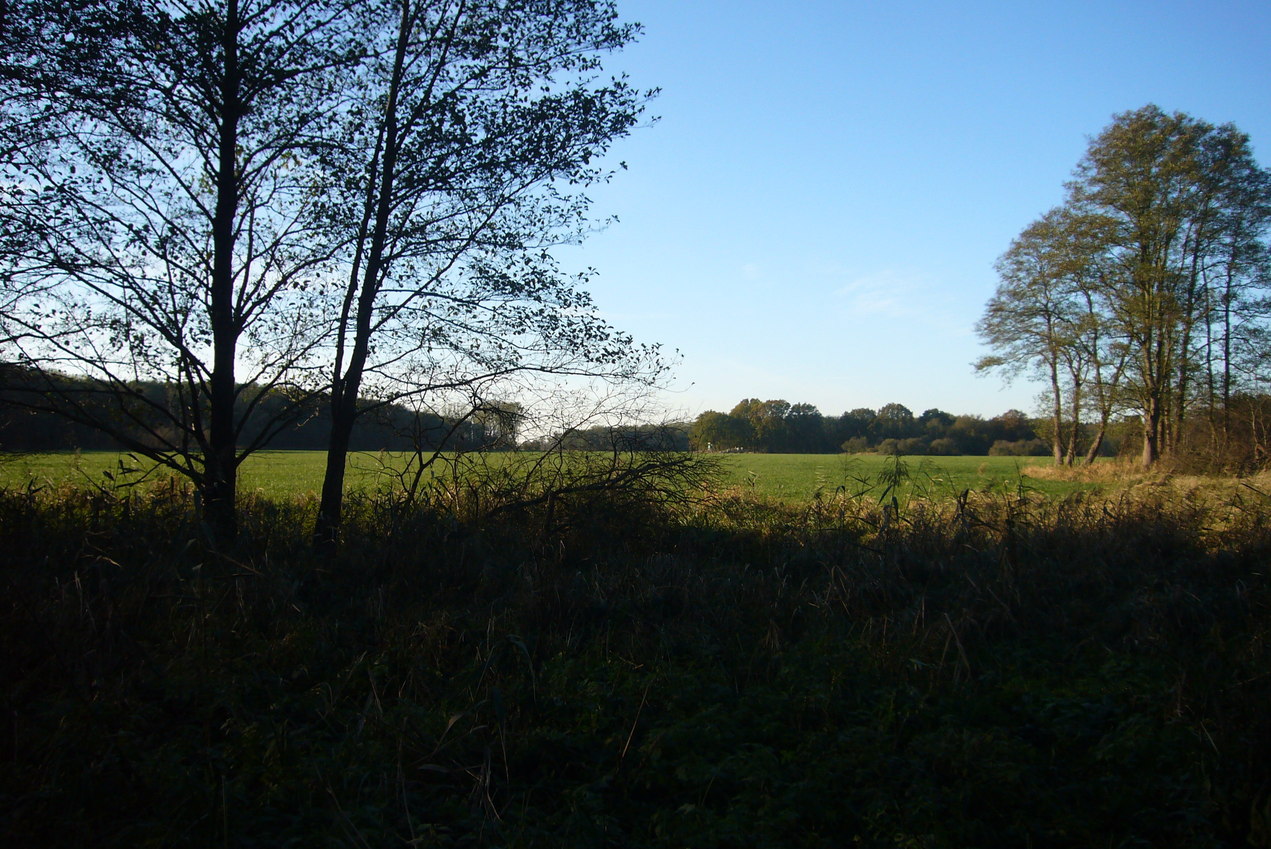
<point>986,669</point>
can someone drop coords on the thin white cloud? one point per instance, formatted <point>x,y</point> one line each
<point>886,292</point>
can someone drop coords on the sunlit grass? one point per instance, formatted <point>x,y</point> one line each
<point>274,474</point>
<point>790,478</point>
<point>801,477</point>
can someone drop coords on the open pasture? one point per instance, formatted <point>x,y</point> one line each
<point>801,477</point>
<point>790,478</point>
<point>273,474</point>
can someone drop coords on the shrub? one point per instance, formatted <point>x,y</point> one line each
<point>914,445</point>
<point>855,445</point>
<point>888,447</point>
<point>1019,448</point>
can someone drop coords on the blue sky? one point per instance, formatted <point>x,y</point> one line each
<point>816,213</point>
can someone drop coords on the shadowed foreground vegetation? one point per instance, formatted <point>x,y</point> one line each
<point>989,670</point>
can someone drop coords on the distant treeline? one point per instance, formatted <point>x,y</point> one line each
<point>673,436</point>
<point>37,416</point>
<point>780,427</point>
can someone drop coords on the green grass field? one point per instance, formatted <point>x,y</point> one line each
<point>800,477</point>
<point>274,474</point>
<point>786,477</point>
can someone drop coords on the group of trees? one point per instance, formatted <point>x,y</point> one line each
<point>340,204</point>
<point>780,427</point>
<point>1146,293</point>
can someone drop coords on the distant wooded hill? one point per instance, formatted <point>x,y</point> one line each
<point>37,417</point>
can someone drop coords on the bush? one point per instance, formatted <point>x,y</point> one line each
<point>855,445</point>
<point>1019,448</point>
<point>914,445</point>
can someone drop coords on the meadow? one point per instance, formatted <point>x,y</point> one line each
<point>790,478</point>
<point>792,659</point>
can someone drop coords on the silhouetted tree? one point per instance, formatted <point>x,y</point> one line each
<point>476,130</point>
<point>170,243</point>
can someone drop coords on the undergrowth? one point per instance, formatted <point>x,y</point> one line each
<point>985,669</point>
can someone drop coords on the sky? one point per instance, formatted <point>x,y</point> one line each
<point>815,213</point>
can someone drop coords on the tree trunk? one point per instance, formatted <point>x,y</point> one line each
<point>1151,434</point>
<point>326,531</point>
<point>1095,444</point>
<point>347,386</point>
<point>344,398</point>
<point>220,460</point>
<point>1228,296</point>
<point>1074,435</point>
<point>1056,415</point>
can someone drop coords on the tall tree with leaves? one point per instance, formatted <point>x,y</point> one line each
<point>1029,322</point>
<point>1045,318</point>
<point>171,243</point>
<point>1160,266</point>
<point>67,49</point>
<point>1171,190</point>
<point>478,126</point>
<point>1234,285</point>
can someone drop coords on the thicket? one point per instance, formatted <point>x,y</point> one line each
<point>987,670</point>
<point>1233,439</point>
